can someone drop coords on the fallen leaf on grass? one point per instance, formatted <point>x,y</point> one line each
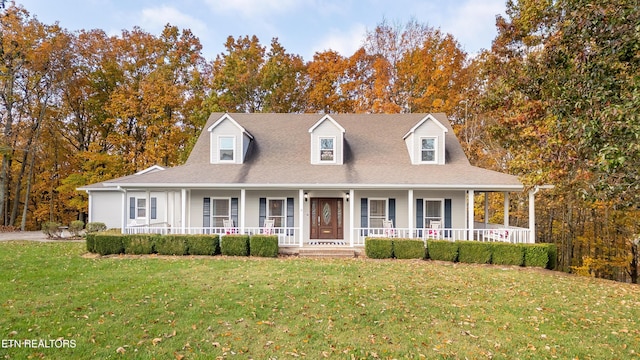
<point>156,341</point>
<point>121,350</point>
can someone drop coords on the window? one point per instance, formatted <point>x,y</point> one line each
<point>276,211</point>
<point>432,212</point>
<point>428,150</point>
<point>141,208</point>
<point>327,149</point>
<point>226,146</point>
<point>377,213</point>
<point>219,211</point>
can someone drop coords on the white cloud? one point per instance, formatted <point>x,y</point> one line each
<point>156,18</point>
<point>474,23</point>
<point>253,8</point>
<point>344,42</point>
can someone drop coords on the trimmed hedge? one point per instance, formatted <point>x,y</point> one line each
<point>234,245</point>
<point>408,249</point>
<point>553,256</point>
<point>507,254</point>
<point>263,245</point>
<point>171,245</point>
<point>378,248</point>
<point>138,244</point>
<point>474,252</point>
<point>203,244</point>
<point>442,250</point>
<point>90,242</point>
<point>536,255</point>
<point>107,244</point>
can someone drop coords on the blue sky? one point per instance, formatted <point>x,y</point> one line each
<point>302,26</point>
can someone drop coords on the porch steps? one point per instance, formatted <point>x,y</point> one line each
<point>324,252</point>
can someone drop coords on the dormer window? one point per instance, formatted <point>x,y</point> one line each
<point>226,146</point>
<point>327,149</point>
<point>428,150</point>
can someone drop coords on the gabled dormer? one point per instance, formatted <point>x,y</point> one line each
<point>426,142</point>
<point>229,141</point>
<point>327,142</point>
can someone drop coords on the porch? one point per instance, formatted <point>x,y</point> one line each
<point>291,236</point>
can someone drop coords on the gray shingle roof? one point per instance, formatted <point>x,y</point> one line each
<point>375,157</point>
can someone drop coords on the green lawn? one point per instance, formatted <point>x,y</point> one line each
<point>124,307</point>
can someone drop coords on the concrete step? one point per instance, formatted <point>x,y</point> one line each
<point>327,252</point>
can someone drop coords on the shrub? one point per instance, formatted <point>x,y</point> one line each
<point>234,245</point>
<point>203,244</point>
<point>378,248</point>
<point>442,250</point>
<point>106,244</point>
<point>93,227</point>
<point>52,229</point>
<point>263,245</point>
<point>536,255</point>
<point>474,252</point>
<point>138,244</point>
<point>507,254</point>
<point>171,245</point>
<point>75,227</point>
<point>553,256</point>
<point>408,249</point>
<point>91,240</point>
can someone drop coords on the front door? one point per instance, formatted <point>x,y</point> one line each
<point>326,218</point>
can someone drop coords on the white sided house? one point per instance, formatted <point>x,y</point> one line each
<point>315,179</point>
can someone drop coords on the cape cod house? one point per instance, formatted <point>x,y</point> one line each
<point>315,179</point>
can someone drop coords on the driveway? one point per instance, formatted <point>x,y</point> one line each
<point>27,235</point>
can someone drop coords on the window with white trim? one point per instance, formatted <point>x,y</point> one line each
<point>141,208</point>
<point>428,149</point>
<point>327,149</point>
<point>220,211</point>
<point>433,210</point>
<point>277,211</point>
<point>226,148</point>
<point>377,212</point>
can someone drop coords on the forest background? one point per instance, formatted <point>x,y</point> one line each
<point>556,100</point>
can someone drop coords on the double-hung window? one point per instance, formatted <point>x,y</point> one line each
<point>226,147</point>
<point>141,208</point>
<point>327,149</point>
<point>433,212</point>
<point>276,211</point>
<point>219,211</point>
<point>377,212</point>
<point>428,150</point>
<point>138,208</point>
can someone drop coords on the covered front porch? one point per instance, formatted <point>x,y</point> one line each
<point>337,217</point>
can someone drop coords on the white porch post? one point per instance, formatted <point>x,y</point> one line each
<point>147,210</point>
<point>183,210</point>
<point>410,212</point>
<point>486,209</point>
<point>532,215</point>
<point>124,211</point>
<point>470,213</point>
<point>352,201</point>
<point>301,218</point>
<point>506,209</point>
<point>242,210</point>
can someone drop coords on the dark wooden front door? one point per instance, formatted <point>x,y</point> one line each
<point>327,218</point>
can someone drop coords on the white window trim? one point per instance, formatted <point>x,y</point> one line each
<point>435,150</point>
<point>233,138</point>
<point>424,210</point>
<point>335,150</point>
<point>386,209</point>
<point>138,208</point>
<point>284,210</point>
<point>211,215</point>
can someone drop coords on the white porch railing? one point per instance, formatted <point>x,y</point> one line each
<point>508,234</point>
<point>286,236</point>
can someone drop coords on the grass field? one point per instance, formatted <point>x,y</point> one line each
<point>203,308</point>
